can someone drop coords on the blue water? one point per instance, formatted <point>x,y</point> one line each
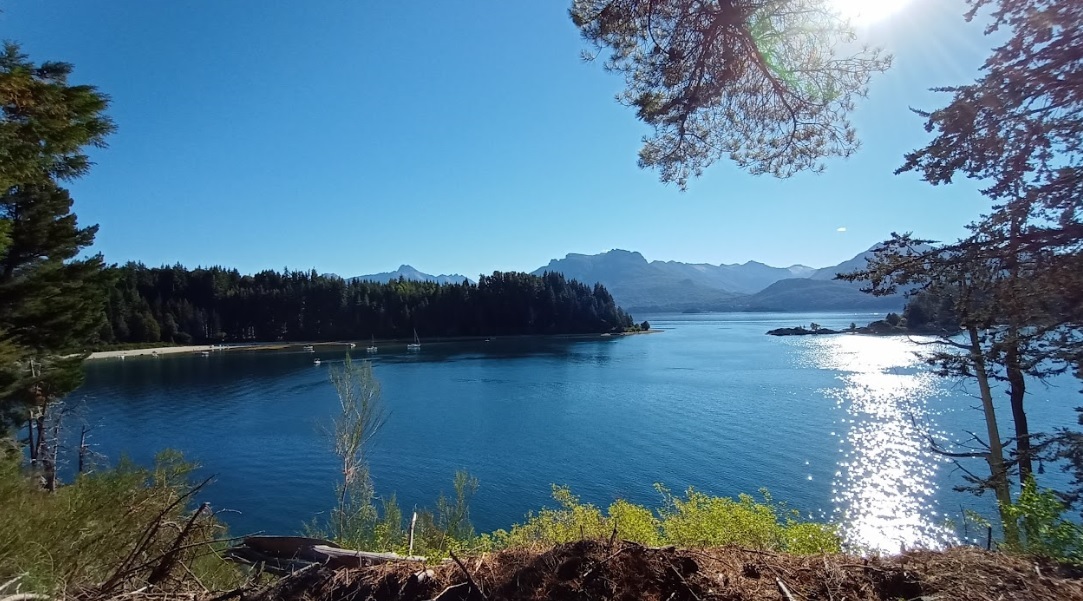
<point>833,425</point>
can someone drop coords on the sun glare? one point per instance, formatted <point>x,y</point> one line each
<point>866,12</point>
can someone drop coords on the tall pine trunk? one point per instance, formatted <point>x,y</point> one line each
<point>998,474</point>
<point>1017,392</point>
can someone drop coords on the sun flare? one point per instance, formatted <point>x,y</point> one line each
<point>866,12</point>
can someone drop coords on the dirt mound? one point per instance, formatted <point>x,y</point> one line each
<point>627,571</point>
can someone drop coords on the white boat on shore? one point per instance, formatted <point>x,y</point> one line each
<point>371,348</point>
<point>415,345</point>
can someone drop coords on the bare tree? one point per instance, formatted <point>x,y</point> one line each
<point>354,519</point>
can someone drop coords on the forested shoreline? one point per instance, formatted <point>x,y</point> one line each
<point>180,305</point>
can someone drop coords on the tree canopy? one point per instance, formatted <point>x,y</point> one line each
<point>175,304</point>
<point>1015,282</point>
<point>46,124</point>
<point>768,84</point>
<point>51,300</point>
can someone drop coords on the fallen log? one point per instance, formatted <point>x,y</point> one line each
<point>285,554</point>
<point>344,558</point>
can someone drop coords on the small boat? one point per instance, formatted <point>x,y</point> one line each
<point>415,345</point>
<point>206,353</point>
<point>316,361</point>
<point>352,345</point>
<point>308,347</point>
<point>371,348</point>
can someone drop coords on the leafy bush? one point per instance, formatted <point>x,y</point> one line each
<point>696,520</point>
<point>82,533</point>
<point>448,528</point>
<point>1044,531</point>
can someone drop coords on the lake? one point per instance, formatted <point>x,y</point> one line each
<point>833,425</point>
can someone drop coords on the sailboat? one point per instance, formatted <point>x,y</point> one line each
<point>415,345</point>
<point>372,347</point>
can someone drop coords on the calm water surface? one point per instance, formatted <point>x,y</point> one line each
<point>833,425</point>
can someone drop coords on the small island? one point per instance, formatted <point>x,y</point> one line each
<point>892,325</point>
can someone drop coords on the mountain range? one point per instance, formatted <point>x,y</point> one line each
<point>645,286</point>
<point>409,273</point>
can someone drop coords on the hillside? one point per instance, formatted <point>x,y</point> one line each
<point>624,570</point>
<point>639,285</point>
<point>636,283</point>
<point>745,278</point>
<point>642,286</point>
<point>817,295</point>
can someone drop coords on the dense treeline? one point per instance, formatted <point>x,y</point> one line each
<point>176,304</point>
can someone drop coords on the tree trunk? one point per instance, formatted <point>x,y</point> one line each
<point>82,449</point>
<point>998,473</point>
<point>1017,393</point>
<point>30,437</point>
<point>39,445</point>
<point>52,453</point>
<point>1016,379</point>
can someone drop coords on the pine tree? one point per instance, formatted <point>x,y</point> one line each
<point>51,301</point>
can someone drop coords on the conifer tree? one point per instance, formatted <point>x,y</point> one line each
<point>51,300</point>
<point>1015,280</point>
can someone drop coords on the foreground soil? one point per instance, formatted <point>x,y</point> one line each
<point>626,571</point>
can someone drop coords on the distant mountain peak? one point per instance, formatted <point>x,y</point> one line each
<point>675,286</point>
<point>410,272</point>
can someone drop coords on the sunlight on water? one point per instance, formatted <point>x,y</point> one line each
<point>886,478</point>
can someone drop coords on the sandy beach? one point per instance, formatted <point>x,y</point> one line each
<point>165,350</point>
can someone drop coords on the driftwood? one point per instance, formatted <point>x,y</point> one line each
<point>286,554</point>
<point>345,558</point>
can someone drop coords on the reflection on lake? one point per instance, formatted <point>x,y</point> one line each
<point>832,425</point>
<point>886,484</point>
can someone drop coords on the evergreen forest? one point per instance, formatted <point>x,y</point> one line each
<point>180,305</point>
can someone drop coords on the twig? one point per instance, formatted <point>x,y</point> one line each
<point>237,592</point>
<point>131,593</point>
<point>161,571</point>
<point>157,558</point>
<point>782,587</point>
<point>7,584</point>
<point>862,566</point>
<point>685,583</point>
<point>447,590</point>
<point>469,578</point>
<point>827,585</point>
<point>148,535</point>
<point>194,577</point>
<point>604,561</point>
<point>413,522</point>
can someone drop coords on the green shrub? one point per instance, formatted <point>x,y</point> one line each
<point>448,528</point>
<point>81,534</point>
<point>635,523</point>
<point>700,520</point>
<point>696,520</point>
<point>1044,531</point>
<point>573,521</point>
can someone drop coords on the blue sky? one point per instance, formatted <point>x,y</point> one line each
<point>456,136</point>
